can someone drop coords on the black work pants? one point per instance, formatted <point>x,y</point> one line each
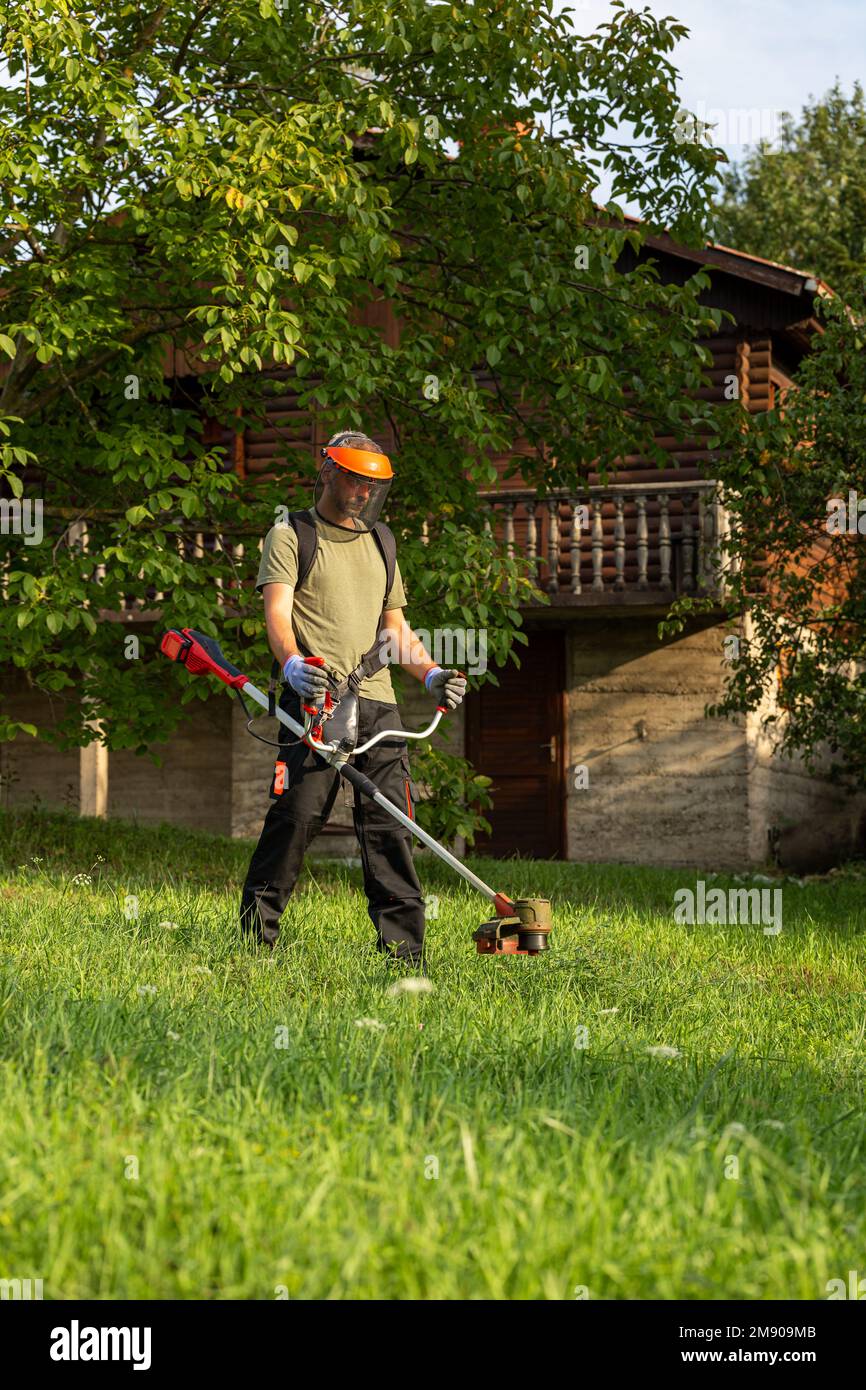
<point>297,814</point>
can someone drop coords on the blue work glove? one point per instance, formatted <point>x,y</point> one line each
<point>446,687</point>
<point>310,682</point>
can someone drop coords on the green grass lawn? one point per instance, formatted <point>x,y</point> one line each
<point>183,1117</point>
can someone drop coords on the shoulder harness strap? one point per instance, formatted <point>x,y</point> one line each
<point>305,529</point>
<point>388,546</point>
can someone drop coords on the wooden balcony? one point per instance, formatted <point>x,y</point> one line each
<point>231,552</point>
<point>614,546</point>
<point>193,546</point>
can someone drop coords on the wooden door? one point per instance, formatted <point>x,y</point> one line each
<point>515,735</point>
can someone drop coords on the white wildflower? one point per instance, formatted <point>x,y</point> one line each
<point>411,984</point>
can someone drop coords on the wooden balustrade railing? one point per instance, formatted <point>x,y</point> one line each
<point>192,545</point>
<point>654,539</point>
<point>663,537</point>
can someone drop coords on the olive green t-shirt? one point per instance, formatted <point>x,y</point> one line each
<point>335,613</point>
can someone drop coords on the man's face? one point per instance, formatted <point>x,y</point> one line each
<point>348,492</point>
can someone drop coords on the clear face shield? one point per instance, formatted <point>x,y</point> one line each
<point>354,493</point>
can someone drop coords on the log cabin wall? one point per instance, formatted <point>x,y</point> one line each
<point>668,522</point>
<point>287,443</point>
<point>760,350</point>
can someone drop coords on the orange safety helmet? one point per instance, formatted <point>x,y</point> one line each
<point>363,461</point>
<point>365,475</point>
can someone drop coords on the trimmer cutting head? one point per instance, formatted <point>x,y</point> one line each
<point>523,933</point>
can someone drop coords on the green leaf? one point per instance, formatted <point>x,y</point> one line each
<point>8,345</point>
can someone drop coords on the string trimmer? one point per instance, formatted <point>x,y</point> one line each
<point>520,927</point>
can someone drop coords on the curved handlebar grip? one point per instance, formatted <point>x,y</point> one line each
<point>201,655</point>
<point>445,709</point>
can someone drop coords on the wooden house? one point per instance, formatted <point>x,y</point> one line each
<point>597,745</point>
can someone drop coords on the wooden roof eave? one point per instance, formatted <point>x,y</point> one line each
<point>800,334</point>
<point>792,282</point>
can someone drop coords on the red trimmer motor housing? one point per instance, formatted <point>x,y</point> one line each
<point>201,655</point>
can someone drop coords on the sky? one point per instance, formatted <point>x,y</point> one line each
<point>759,57</point>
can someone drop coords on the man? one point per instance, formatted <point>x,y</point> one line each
<point>334,613</point>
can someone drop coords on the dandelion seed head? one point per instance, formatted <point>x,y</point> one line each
<point>411,984</point>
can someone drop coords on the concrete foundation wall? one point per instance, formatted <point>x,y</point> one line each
<point>691,791</point>
<point>784,794</point>
<point>33,773</point>
<point>214,775</point>
<point>679,794</point>
<point>193,785</point>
